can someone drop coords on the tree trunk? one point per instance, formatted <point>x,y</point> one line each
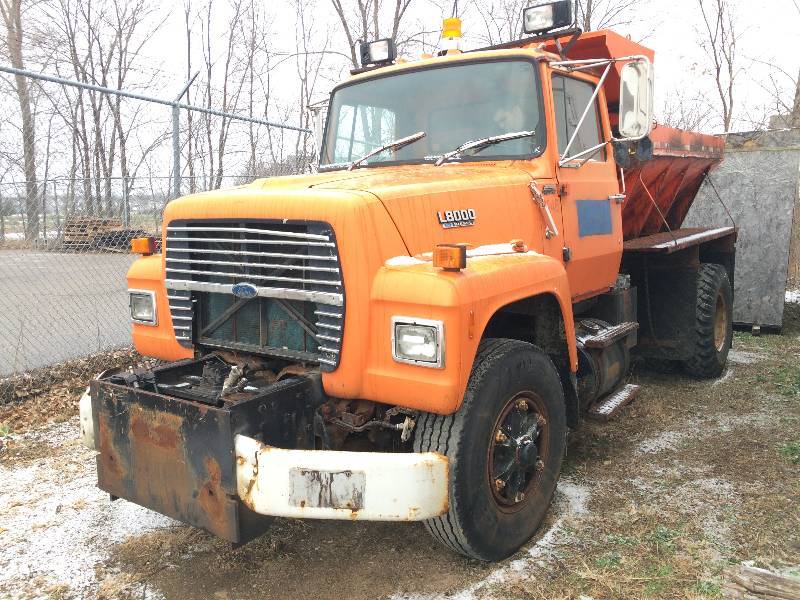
<point>12,16</point>
<point>794,118</point>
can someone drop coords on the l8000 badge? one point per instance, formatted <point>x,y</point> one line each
<point>457,218</point>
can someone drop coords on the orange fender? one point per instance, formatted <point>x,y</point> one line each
<point>464,301</point>
<point>159,340</point>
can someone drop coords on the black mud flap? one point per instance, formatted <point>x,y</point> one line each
<point>177,457</point>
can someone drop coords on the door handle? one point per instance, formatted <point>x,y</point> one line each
<point>551,230</point>
<point>618,198</point>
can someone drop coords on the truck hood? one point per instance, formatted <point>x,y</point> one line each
<point>428,203</point>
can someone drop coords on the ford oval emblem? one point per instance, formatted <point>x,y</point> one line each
<point>244,290</point>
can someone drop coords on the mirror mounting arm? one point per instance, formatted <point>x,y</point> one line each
<point>589,106</point>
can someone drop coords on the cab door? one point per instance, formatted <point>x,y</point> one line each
<point>591,209</point>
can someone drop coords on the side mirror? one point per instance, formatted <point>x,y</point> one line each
<point>636,99</point>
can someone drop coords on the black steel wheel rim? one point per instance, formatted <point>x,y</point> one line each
<point>518,450</point>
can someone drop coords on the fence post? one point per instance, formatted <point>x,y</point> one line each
<point>176,151</point>
<point>44,211</point>
<point>126,206</point>
<point>176,139</point>
<point>58,212</point>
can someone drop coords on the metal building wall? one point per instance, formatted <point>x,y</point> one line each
<point>759,181</point>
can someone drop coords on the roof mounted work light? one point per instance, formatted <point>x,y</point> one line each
<point>379,52</point>
<point>547,16</point>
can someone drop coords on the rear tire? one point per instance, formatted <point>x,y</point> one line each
<point>505,446</point>
<point>713,323</point>
<point>662,366</point>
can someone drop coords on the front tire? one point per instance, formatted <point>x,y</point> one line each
<point>713,323</point>
<point>505,446</point>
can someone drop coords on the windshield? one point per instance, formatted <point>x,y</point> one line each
<point>452,105</point>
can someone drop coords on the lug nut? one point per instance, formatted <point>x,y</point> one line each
<point>539,465</point>
<point>522,405</point>
<point>499,484</point>
<point>541,421</point>
<point>500,436</point>
<point>520,497</point>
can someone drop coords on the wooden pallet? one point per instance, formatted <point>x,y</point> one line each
<point>79,232</point>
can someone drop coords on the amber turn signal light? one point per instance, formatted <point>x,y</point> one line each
<point>450,257</point>
<point>143,245</point>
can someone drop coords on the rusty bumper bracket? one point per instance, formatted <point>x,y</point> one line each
<point>177,457</point>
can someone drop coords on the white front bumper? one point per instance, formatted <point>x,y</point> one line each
<point>87,424</point>
<point>325,484</point>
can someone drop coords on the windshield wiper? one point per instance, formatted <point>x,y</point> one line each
<point>395,145</point>
<point>483,143</point>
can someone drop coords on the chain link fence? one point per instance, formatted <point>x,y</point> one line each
<point>63,296</point>
<point>65,234</point>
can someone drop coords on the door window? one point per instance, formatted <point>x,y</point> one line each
<point>570,97</point>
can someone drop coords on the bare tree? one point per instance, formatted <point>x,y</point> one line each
<point>11,11</point>
<point>720,40</point>
<point>685,111</point>
<point>363,22</point>
<point>187,14</point>
<point>502,19</point>
<point>308,65</point>
<point>592,15</point>
<point>782,89</point>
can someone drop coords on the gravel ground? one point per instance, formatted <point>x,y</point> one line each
<point>693,477</point>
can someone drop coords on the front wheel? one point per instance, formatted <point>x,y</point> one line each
<point>505,446</point>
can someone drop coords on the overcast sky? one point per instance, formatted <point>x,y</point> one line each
<point>770,32</point>
<point>770,36</point>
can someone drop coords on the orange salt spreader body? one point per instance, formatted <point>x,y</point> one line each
<point>490,237</point>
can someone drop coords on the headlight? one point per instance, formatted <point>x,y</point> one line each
<point>544,17</point>
<point>418,341</point>
<point>143,307</point>
<point>377,52</point>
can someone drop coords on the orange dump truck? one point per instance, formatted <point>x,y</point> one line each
<point>410,332</point>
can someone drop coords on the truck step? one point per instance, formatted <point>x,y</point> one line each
<point>606,336</point>
<point>607,409</point>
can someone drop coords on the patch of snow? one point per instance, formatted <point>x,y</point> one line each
<point>571,500</point>
<point>490,249</point>
<point>65,526</point>
<point>486,256</point>
<point>793,296</point>
<point>742,357</point>
<point>725,376</point>
<point>725,422</point>
<point>21,236</point>
<point>667,440</point>
<point>403,261</point>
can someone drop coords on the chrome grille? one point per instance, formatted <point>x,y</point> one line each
<point>283,260</point>
<point>181,309</point>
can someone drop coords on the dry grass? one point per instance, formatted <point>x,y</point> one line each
<point>51,394</point>
<point>693,477</point>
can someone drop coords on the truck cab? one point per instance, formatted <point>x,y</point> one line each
<point>408,333</point>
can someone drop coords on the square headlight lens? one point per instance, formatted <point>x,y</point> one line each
<point>547,16</point>
<point>379,51</point>
<point>143,307</point>
<point>538,18</point>
<point>418,343</point>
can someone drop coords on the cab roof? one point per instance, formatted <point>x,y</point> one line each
<point>602,44</point>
